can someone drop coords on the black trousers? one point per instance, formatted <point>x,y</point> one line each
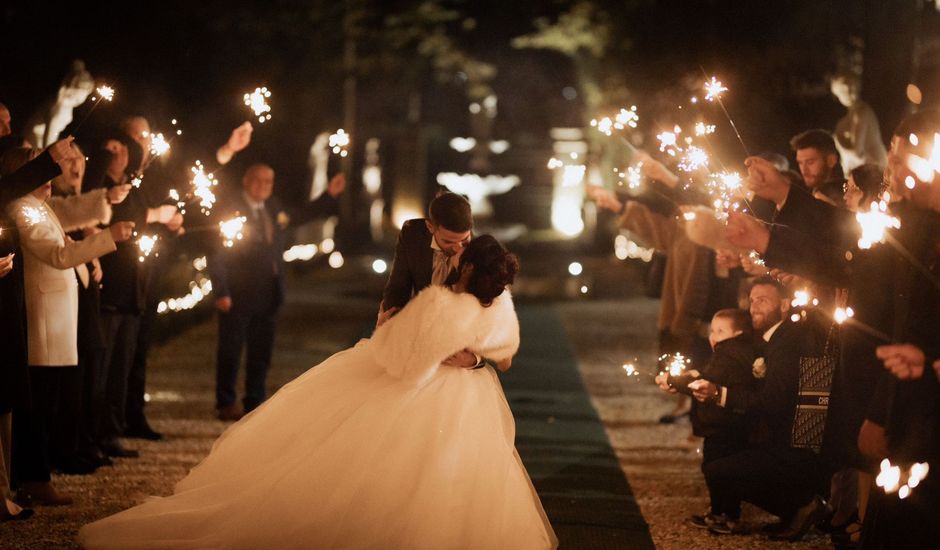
<point>137,377</point>
<point>716,448</point>
<point>777,480</point>
<point>120,331</point>
<point>255,333</point>
<point>35,426</point>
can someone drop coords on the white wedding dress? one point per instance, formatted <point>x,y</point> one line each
<point>378,447</point>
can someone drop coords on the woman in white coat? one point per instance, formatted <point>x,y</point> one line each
<point>52,266</point>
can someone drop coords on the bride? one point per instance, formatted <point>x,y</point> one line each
<point>378,447</point>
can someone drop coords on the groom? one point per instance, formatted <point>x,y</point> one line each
<point>427,252</point>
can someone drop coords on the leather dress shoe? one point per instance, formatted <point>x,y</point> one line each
<point>231,412</point>
<point>42,493</point>
<point>116,450</point>
<point>143,431</point>
<point>803,520</point>
<point>77,466</point>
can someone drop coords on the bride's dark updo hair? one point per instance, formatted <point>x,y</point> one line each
<point>494,268</point>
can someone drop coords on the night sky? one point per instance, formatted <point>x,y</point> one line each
<point>193,60</point>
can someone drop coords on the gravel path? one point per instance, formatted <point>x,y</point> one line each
<point>661,467</point>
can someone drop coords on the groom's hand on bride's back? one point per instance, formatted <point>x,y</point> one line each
<point>464,359</point>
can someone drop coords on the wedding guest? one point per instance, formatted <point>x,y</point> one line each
<point>864,186</point>
<point>818,161</point>
<point>124,283</point>
<point>49,262</point>
<point>14,370</point>
<point>775,476</point>
<point>248,280</point>
<point>725,431</point>
<point>159,181</point>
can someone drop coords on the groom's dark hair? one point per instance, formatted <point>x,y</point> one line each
<point>452,212</point>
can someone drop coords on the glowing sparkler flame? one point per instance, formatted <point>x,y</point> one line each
<point>875,223</point>
<point>801,298</point>
<point>554,163</point>
<point>339,142</point>
<point>695,158</point>
<point>145,244</point>
<point>624,118</point>
<point>105,92</point>
<point>202,186</point>
<point>891,476</point>
<point>158,145</point>
<point>630,369</point>
<point>675,364</point>
<point>231,230</point>
<point>843,314</point>
<point>34,215</point>
<point>257,101</point>
<point>713,89</point>
<point>702,129</point>
<point>635,176</point>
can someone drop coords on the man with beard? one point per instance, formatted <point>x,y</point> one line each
<point>779,478</point>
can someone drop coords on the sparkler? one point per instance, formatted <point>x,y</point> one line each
<point>703,129</point>
<point>626,117</point>
<point>202,186</point>
<point>668,141</point>
<point>924,168</point>
<point>339,142</point>
<point>145,244</point>
<point>34,215</point>
<point>713,92</point>
<point>843,314</point>
<point>875,223</point>
<point>630,369</point>
<point>257,101</point>
<point>231,230</point>
<point>674,364</point>
<point>158,144</point>
<point>102,93</point>
<point>695,158</point>
<point>891,476</point>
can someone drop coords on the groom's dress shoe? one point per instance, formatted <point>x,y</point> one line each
<point>803,520</point>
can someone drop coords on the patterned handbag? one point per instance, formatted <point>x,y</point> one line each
<point>812,404</point>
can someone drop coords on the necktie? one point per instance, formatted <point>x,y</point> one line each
<point>262,214</point>
<point>441,268</point>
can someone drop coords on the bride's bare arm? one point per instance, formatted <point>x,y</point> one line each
<point>504,365</point>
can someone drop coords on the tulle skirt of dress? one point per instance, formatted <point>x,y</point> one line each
<point>348,457</point>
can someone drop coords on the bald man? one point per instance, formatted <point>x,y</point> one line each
<point>248,281</point>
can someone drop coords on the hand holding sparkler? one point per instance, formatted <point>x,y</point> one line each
<point>905,361</point>
<point>337,185</point>
<point>121,231</point>
<point>62,150</point>
<point>747,232</point>
<point>118,193</point>
<point>655,170</point>
<point>6,265</point>
<point>240,138</point>
<point>604,198</point>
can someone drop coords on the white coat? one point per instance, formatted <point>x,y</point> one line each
<point>50,284</point>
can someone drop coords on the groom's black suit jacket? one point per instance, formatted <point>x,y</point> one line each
<point>412,266</point>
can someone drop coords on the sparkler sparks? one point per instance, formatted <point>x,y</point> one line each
<point>713,89</point>
<point>257,101</point>
<point>843,314</point>
<point>158,144</point>
<point>339,142</point>
<point>202,186</point>
<point>145,244</point>
<point>34,215</point>
<point>668,141</point>
<point>890,477</point>
<point>231,230</point>
<point>674,364</point>
<point>105,92</point>
<point>924,168</point>
<point>630,369</point>
<point>702,129</point>
<point>695,158</point>
<point>626,117</point>
<point>875,223</point>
